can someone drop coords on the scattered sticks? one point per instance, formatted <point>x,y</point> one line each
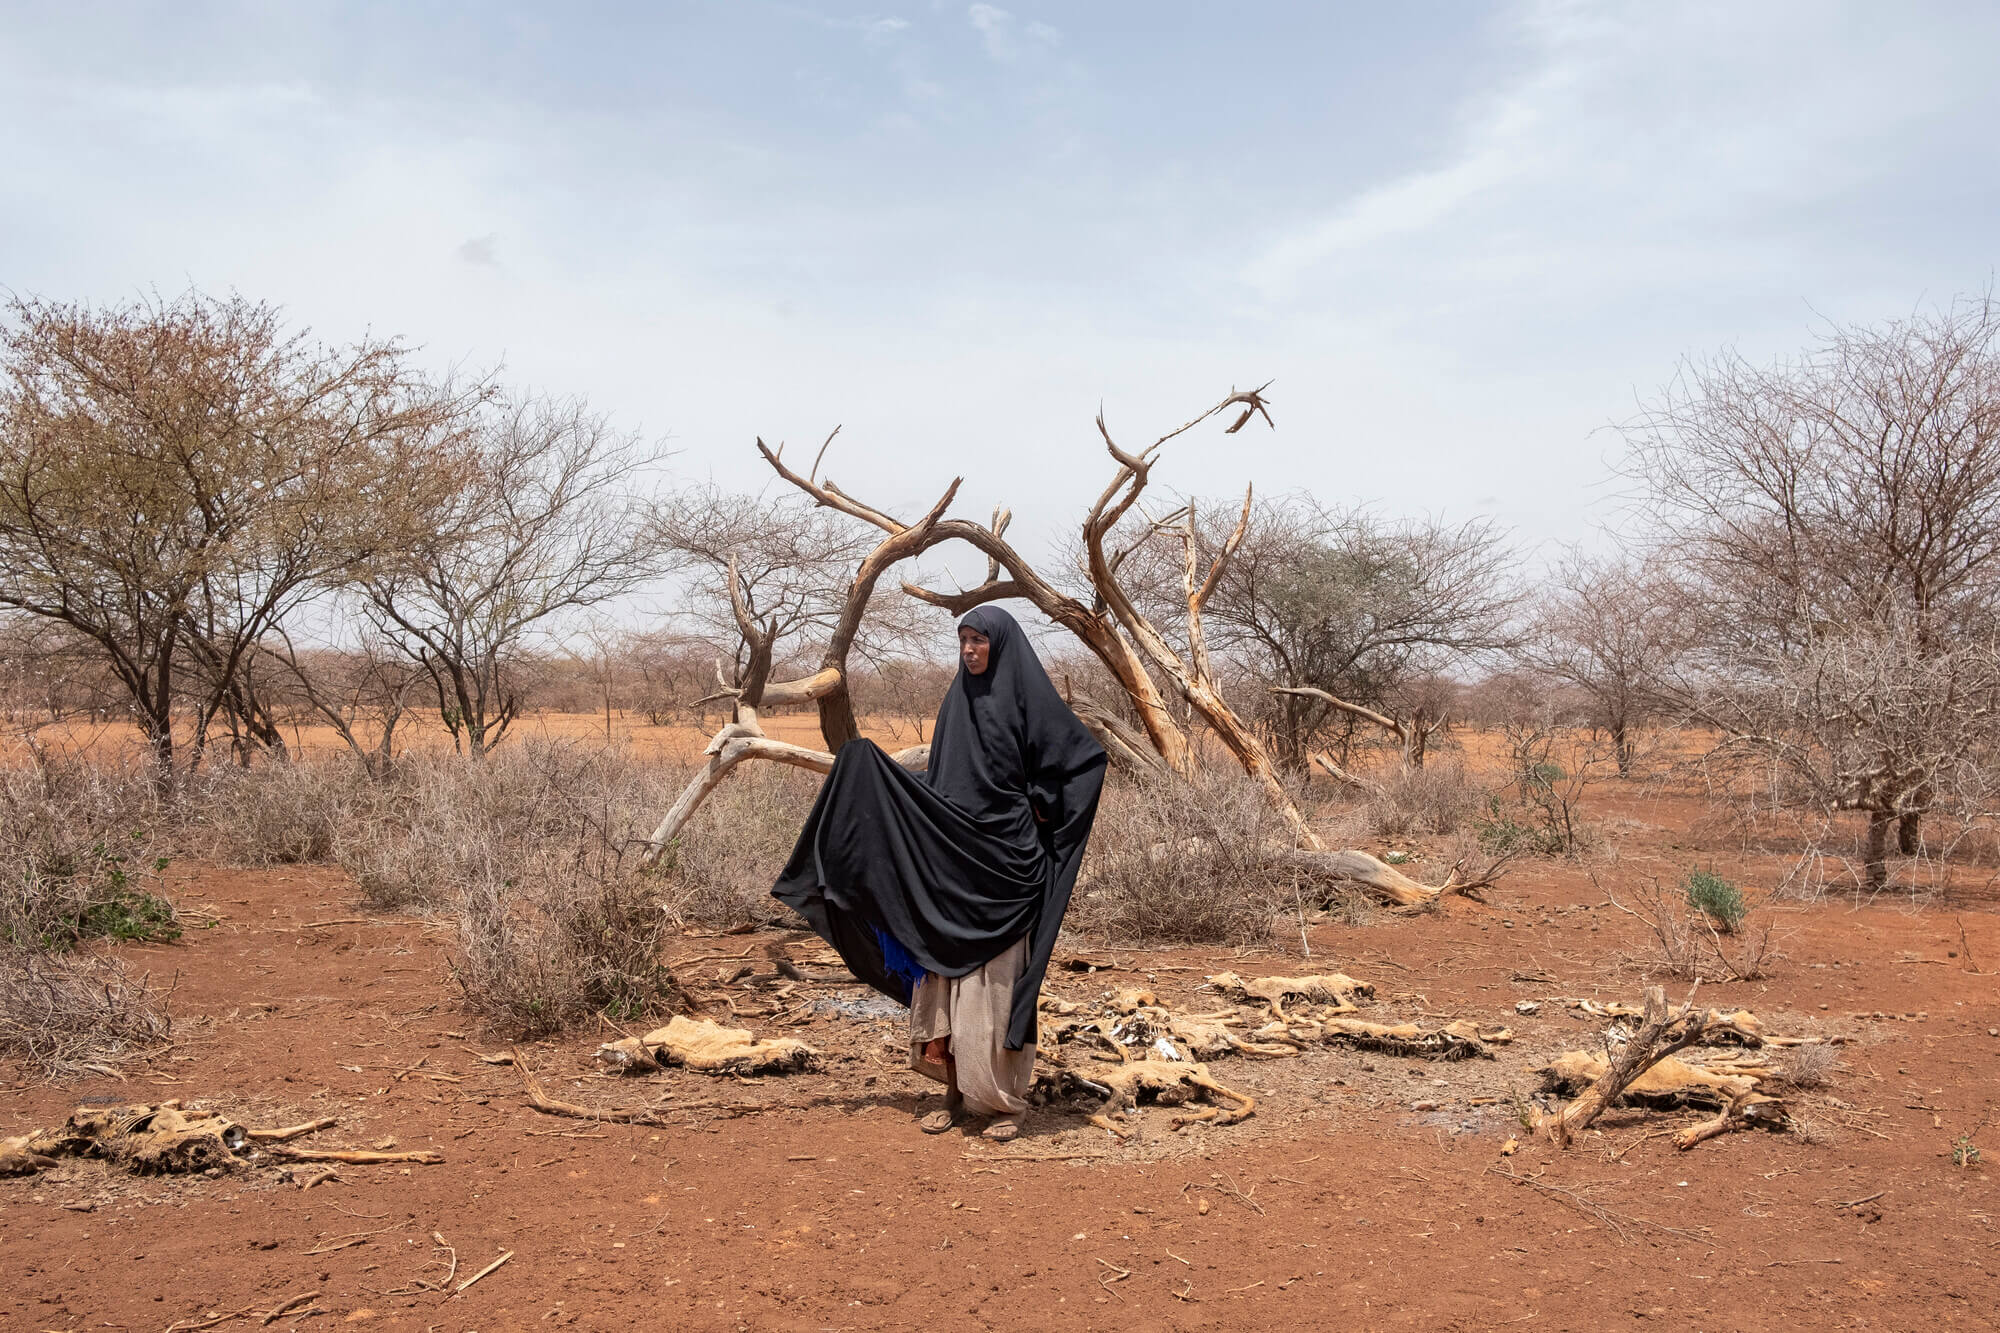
<point>460,1290</point>
<point>547,1105</point>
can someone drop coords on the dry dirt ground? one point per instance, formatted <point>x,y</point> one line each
<point>1368,1191</point>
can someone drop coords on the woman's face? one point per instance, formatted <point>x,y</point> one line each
<point>973,648</point>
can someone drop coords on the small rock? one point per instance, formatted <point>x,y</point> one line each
<point>1423,1106</point>
<point>1526,1007</point>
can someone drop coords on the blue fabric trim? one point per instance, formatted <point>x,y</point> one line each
<point>896,961</point>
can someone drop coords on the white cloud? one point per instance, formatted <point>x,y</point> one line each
<point>1632,145</point>
<point>996,31</point>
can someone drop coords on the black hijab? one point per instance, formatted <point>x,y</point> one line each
<point>942,872</point>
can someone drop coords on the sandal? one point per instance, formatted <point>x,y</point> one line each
<point>937,1122</point>
<point>1004,1129</point>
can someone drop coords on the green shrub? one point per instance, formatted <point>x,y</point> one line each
<point>1715,896</point>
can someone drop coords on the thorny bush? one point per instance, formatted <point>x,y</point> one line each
<point>76,864</point>
<point>1174,862</point>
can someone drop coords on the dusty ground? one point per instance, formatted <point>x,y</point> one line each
<point>811,1202</point>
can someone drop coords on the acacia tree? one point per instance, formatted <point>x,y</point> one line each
<point>178,477</point>
<point>1837,519</point>
<point>1611,629</point>
<point>543,523</point>
<point>1355,618</point>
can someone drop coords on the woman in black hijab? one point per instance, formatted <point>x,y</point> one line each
<point>945,891</point>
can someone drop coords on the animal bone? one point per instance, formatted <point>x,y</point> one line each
<point>1165,1082</point>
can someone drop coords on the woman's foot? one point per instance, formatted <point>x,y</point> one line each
<point>937,1122</point>
<point>1003,1129</point>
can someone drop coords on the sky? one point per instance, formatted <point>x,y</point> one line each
<point>1462,240</point>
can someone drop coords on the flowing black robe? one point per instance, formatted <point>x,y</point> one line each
<point>942,871</point>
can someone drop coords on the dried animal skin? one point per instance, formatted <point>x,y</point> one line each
<point>1333,988</point>
<point>1163,1082</point>
<point>703,1045</point>
<point>1668,1082</point>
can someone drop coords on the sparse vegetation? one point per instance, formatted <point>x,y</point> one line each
<point>1686,941</point>
<point>1810,1066</point>
<point>77,858</point>
<point>1550,767</point>
<point>1178,862</point>
<point>68,1013</point>
<point>570,933</point>
<point>1439,798</point>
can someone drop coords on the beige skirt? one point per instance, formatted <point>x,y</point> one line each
<point>973,1011</point>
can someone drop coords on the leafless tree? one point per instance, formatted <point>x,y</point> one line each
<point>675,671</point>
<point>49,672</point>
<point>791,563</point>
<point>367,687</point>
<point>177,477</point>
<point>1610,629</point>
<point>542,525</point>
<point>1876,721</point>
<point>1132,648</point>
<point>1837,518</point>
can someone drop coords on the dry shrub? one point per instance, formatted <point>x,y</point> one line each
<point>440,822</point>
<point>77,856</point>
<point>570,933</point>
<point>64,1014</point>
<point>719,874</point>
<point>536,848</point>
<point>1174,862</point>
<point>1810,1066</point>
<point>279,813</point>
<point>1438,799</point>
<point>1685,942</point>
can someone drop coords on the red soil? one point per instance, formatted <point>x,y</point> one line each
<point>1338,1205</point>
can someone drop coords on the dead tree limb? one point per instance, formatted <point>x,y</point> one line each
<point>1412,737</point>
<point>1660,1034</point>
<point>734,743</point>
<point>1135,651</point>
<point>1744,1110</point>
<point>1367,786</point>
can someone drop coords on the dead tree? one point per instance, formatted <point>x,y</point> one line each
<point>1131,646</point>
